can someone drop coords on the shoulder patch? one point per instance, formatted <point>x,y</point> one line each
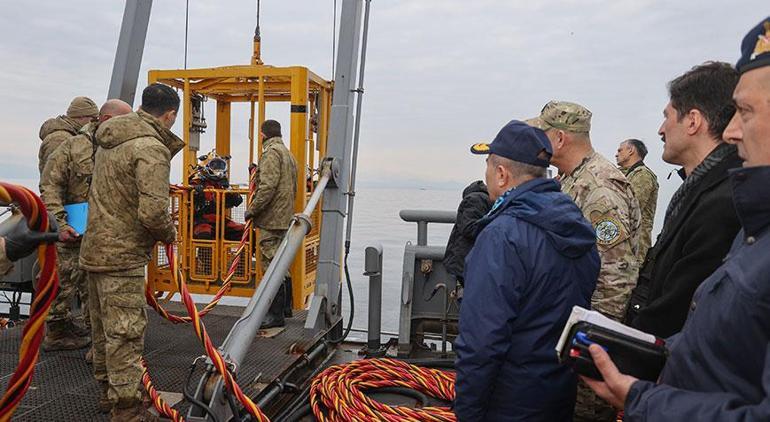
<point>608,231</point>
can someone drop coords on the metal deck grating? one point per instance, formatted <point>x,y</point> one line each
<point>63,388</point>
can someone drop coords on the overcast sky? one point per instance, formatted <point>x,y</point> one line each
<point>440,75</point>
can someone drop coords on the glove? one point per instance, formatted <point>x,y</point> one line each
<point>21,241</point>
<point>248,215</point>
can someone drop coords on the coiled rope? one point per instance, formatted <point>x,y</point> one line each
<point>338,393</point>
<point>45,292</point>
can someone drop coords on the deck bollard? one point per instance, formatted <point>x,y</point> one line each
<point>373,270</point>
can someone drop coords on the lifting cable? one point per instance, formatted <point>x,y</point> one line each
<point>47,286</point>
<point>339,392</point>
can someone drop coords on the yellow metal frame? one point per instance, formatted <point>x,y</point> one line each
<point>258,85</point>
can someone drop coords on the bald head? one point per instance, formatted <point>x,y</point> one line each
<point>112,108</point>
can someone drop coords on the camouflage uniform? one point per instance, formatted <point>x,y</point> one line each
<point>606,199</point>
<point>128,213</point>
<point>272,208</point>
<point>273,205</point>
<point>66,179</point>
<point>53,132</point>
<point>645,186</point>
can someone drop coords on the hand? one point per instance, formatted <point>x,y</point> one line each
<point>68,235</point>
<point>248,215</point>
<point>20,241</point>
<point>614,389</point>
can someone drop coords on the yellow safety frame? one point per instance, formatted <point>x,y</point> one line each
<point>256,84</point>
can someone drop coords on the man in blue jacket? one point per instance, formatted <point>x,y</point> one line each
<point>719,369</point>
<point>534,259</point>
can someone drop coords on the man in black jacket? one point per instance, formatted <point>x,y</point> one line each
<point>475,204</point>
<point>700,221</point>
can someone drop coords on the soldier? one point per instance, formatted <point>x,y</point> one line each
<point>272,208</point>
<point>607,201</point>
<point>56,130</point>
<point>128,213</point>
<point>66,179</point>
<point>630,159</point>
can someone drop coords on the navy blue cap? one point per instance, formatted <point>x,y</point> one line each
<point>520,142</point>
<point>755,48</point>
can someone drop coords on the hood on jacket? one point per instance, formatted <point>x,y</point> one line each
<point>58,123</point>
<point>541,203</point>
<point>477,186</point>
<point>121,129</point>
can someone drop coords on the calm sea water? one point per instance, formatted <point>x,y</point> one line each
<point>376,220</point>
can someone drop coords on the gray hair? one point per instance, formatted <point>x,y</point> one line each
<point>639,146</point>
<point>517,168</point>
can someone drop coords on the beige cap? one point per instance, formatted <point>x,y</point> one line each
<point>563,115</point>
<point>82,107</point>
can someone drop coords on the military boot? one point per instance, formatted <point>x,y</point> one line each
<point>105,404</point>
<point>287,312</point>
<point>58,336</point>
<point>135,412</point>
<point>274,317</point>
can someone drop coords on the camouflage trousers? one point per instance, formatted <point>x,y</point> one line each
<point>118,321</point>
<point>269,240</point>
<point>72,280</point>
<point>591,408</point>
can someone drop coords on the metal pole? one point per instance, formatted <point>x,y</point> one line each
<point>357,130</point>
<point>245,329</point>
<point>325,309</point>
<point>373,269</point>
<point>128,56</point>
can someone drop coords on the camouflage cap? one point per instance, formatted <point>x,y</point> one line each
<point>563,115</point>
<point>82,107</point>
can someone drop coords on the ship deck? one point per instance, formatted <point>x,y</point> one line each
<point>63,387</point>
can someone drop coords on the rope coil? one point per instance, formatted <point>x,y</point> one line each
<point>338,393</point>
<point>33,209</point>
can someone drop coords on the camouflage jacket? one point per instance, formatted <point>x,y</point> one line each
<point>605,197</point>
<point>645,186</point>
<point>129,199</point>
<point>273,205</point>
<point>67,174</point>
<point>53,132</point>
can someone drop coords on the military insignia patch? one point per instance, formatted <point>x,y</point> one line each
<point>480,148</point>
<point>763,43</point>
<point>607,231</point>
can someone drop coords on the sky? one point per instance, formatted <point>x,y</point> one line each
<point>440,75</point>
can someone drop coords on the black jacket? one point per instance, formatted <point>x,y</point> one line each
<point>475,204</point>
<point>690,248</point>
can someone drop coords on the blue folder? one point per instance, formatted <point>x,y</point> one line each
<point>77,216</point>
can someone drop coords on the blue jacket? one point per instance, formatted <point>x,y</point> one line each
<point>534,259</point>
<point>719,369</point>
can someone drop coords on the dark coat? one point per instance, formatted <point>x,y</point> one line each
<point>475,204</point>
<point>534,259</point>
<point>719,369</point>
<point>690,248</point>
